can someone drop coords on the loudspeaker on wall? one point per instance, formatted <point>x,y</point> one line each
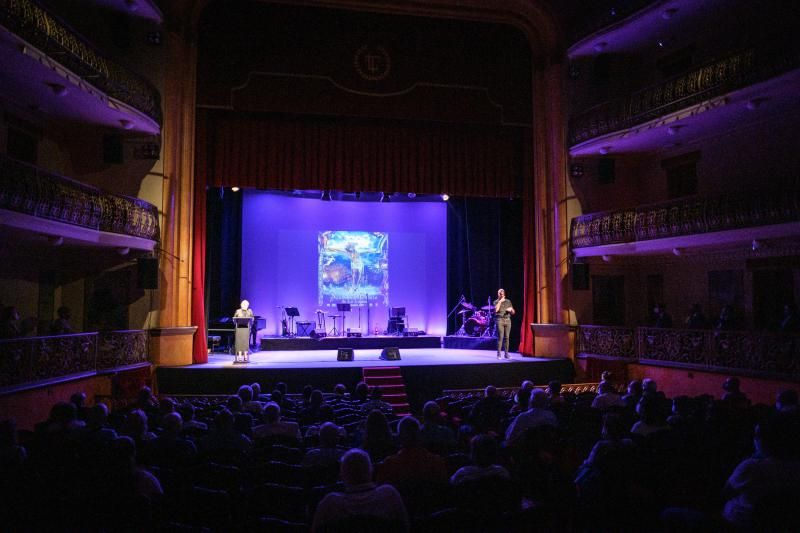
<point>390,353</point>
<point>147,273</point>
<point>580,276</point>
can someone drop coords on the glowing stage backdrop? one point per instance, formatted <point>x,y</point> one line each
<point>310,254</point>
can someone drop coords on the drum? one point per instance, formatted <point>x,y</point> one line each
<point>476,324</point>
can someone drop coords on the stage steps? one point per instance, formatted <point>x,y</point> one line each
<point>392,384</point>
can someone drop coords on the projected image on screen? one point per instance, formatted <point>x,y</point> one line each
<point>353,267</point>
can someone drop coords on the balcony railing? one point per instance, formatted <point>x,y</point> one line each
<point>765,353</point>
<point>30,360</point>
<point>715,78</point>
<point>689,216</point>
<point>49,34</point>
<point>33,191</point>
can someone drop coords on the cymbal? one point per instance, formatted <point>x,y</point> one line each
<point>487,307</point>
<point>463,311</point>
<point>467,305</point>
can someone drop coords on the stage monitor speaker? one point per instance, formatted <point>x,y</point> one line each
<point>390,353</point>
<point>318,333</point>
<point>147,272</point>
<point>580,276</point>
<point>344,354</point>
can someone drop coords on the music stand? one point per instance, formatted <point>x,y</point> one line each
<point>343,308</point>
<point>292,312</point>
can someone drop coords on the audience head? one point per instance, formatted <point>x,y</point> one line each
<point>10,314</point>
<point>281,387</point>
<point>316,398</point>
<point>483,450</point>
<point>553,388</point>
<point>272,412</point>
<point>539,399</point>
<point>376,393</point>
<point>145,397</point>
<point>123,452</point>
<point>635,388</point>
<point>186,410</point>
<point>135,424</point>
<point>524,398</point>
<point>408,432</point>
<point>224,420</point>
<point>63,414</point>
<point>526,385</point>
<point>356,467</point>
<point>171,424</point>
<point>361,391</point>
<point>97,416</point>
<point>431,412</point>
<point>245,392</point>
<point>606,375</point>
<point>787,400</point>
<point>234,403</point>
<point>377,425</point>
<point>276,397</point>
<point>307,390</point>
<point>78,399</point>
<point>340,389</point>
<point>328,435</point>
<point>490,391</point>
<point>166,405</point>
<point>649,386</point>
<point>605,387</point>
<point>256,388</point>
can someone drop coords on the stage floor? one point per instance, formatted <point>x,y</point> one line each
<point>365,358</point>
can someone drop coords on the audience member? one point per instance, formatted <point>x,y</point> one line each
<point>376,402</point>
<point>377,439</point>
<point>325,414</point>
<point>607,397</point>
<point>413,462</point>
<point>361,393</point>
<point>486,415</point>
<point>186,410</point>
<point>249,403</point>
<point>257,396</point>
<point>521,402</point>
<point>612,440</point>
<point>274,426</point>
<point>733,394</point>
<point>9,323</point>
<point>790,322</point>
<point>554,393</point>
<point>136,427</point>
<point>635,392</point>
<point>328,452</point>
<point>651,420</point>
<point>661,319</point>
<point>539,414</point>
<point>310,414</point>
<point>361,497</point>
<point>726,320</point>
<point>484,456</point>
<point>61,325</point>
<point>224,437</point>
<point>169,449</point>
<point>435,436</point>
<point>696,319</point>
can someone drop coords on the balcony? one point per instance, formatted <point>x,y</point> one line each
<point>697,102</point>
<point>747,352</point>
<point>667,227</point>
<point>29,362</point>
<point>36,201</point>
<point>49,67</point>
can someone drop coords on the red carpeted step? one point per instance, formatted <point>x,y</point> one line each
<point>384,381</point>
<point>395,399</point>
<point>400,388</point>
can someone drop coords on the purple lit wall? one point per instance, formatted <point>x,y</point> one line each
<point>280,266</point>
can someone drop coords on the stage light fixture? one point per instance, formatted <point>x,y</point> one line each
<point>235,189</point>
<point>326,196</point>
<point>445,197</point>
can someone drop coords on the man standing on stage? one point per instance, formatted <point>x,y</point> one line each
<point>244,311</point>
<point>502,316</point>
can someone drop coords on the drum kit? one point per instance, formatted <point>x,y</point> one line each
<point>476,321</point>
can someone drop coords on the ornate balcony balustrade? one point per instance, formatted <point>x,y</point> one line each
<point>28,360</point>
<point>689,216</point>
<point>49,34</point>
<point>767,353</point>
<point>715,78</point>
<point>33,191</point>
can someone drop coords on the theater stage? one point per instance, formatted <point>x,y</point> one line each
<point>427,371</point>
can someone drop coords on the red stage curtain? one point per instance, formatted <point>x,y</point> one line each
<point>348,155</point>
<point>278,152</point>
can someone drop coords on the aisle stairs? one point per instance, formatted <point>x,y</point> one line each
<point>391,383</point>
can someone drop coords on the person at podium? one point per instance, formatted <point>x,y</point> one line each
<point>244,311</point>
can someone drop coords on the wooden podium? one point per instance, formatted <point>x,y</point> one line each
<point>241,343</point>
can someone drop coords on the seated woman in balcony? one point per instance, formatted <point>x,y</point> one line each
<point>726,321</point>
<point>696,318</point>
<point>61,325</point>
<point>661,319</point>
